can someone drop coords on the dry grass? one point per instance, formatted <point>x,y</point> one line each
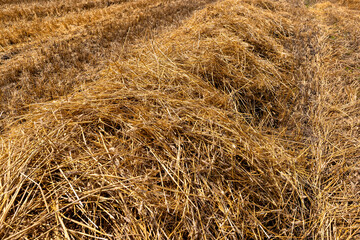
<point>353,4</point>
<point>10,14</point>
<point>73,47</point>
<point>241,123</point>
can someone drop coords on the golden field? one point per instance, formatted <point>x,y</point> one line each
<point>179,119</point>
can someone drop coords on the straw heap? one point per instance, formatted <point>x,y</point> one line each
<point>241,123</point>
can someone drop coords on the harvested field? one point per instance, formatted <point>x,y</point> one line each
<point>46,57</point>
<point>231,119</point>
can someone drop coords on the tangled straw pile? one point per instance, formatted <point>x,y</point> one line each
<point>240,124</point>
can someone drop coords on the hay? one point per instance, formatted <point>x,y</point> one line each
<point>46,57</point>
<point>232,126</point>
<point>352,4</point>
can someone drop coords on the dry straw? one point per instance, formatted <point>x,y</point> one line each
<point>45,57</point>
<point>240,124</point>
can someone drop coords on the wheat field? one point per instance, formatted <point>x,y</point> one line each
<point>179,119</point>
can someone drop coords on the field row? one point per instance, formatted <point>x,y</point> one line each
<point>9,14</point>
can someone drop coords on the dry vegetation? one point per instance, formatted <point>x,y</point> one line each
<point>158,119</point>
<point>45,57</point>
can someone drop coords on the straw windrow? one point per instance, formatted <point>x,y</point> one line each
<point>242,123</point>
